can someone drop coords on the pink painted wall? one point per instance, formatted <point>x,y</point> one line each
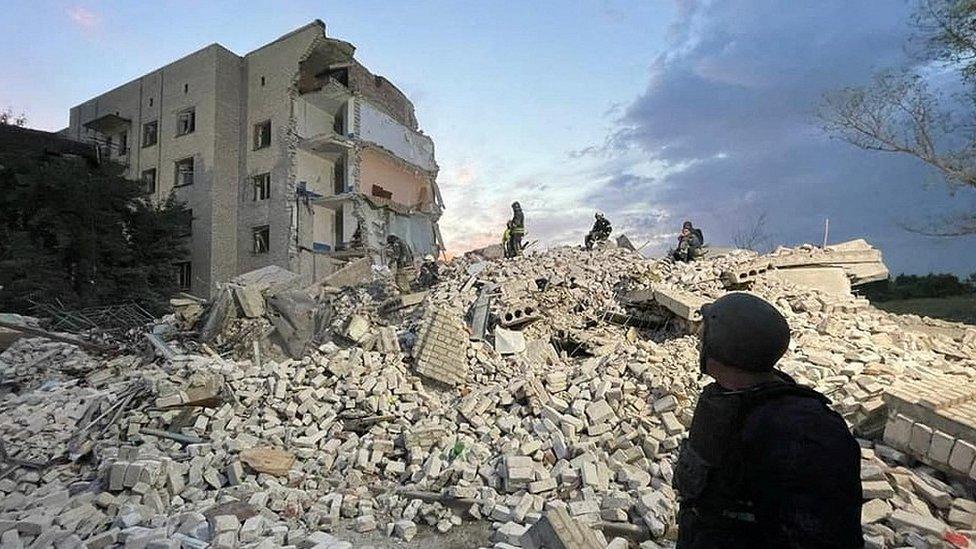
<point>378,169</point>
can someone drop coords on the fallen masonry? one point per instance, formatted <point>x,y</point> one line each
<point>329,415</point>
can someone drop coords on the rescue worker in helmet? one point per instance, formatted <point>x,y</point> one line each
<point>767,463</point>
<point>690,243</point>
<point>514,232</point>
<point>599,233</point>
<point>429,274</point>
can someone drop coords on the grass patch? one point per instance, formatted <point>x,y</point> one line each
<point>960,308</point>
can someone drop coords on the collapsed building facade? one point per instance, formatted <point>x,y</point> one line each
<point>292,155</point>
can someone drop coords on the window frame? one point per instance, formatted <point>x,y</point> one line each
<point>255,231</point>
<point>192,112</point>
<point>261,181</point>
<point>187,230</point>
<point>154,124</point>
<point>259,133</point>
<point>155,177</point>
<point>177,181</point>
<point>179,274</point>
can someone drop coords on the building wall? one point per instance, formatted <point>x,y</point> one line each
<point>160,95</point>
<point>378,168</point>
<point>382,92</point>
<point>228,161</point>
<point>311,120</point>
<point>230,94</point>
<point>277,63</point>
<point>381,129</point>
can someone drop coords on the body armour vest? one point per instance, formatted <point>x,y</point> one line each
<point>710,472</point>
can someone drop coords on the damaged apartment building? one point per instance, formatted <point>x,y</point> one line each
<point>292,155</point>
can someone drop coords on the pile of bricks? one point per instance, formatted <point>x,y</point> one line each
<point>400,422</point>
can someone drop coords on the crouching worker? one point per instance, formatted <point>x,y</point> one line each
<point>690,243</point>
<point>429,273</point>
<point>599,233</point>
<point>767,463</point>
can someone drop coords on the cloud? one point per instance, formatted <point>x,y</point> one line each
<point>83,17</point>
<point>725,131</point>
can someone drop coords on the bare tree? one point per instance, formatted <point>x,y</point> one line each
<point>898,112</point>
<point>7,118</point>
<point>755,236</point>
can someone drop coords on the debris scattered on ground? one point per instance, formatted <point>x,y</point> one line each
<point>308,416</point>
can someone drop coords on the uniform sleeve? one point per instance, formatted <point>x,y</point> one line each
<point>803,467</point>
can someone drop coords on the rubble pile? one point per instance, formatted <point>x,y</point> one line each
<point>546,395</point>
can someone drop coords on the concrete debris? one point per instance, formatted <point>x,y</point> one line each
<point>562,432</point>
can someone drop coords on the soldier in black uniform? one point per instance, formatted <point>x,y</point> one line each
<point>766,462</point>
<point>601,231</point>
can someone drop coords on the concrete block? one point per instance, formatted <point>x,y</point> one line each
<point>557,530</point>
<point>509,342</point>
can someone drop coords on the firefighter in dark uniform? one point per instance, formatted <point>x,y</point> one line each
<point>767,463</point>
<point>514,232</point>
<point>600,232</point>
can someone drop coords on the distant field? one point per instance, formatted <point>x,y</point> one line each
<point>957,308</point>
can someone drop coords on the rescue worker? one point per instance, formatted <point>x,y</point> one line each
<point>400,260</point>
<point>767,463</point>
<point>357,238</point>
<point>599,233</point>
<point>429,274</point>
<point>690,243</point>
<point>514,232</point>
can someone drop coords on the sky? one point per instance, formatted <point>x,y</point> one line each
<point>651,111</point>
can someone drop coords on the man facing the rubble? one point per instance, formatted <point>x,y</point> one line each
<point>766,462</point>
<point>514,232</point>
<point>599,233</point>
<point>400,259</point>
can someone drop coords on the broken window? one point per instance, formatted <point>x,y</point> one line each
<point>339,122</point>
<point>123,143</point>
<point>185,122</point>
<point>187,224</point>
<point>262,135</point>
<point>337,228</point>
<point>149,133</point>
<point>339,177</point>
<point>260,236</point>
<point>262,186</point>
<point>184,172</point>
<point>340,75</point>
<point>149,181</point>
<point>184,274</point>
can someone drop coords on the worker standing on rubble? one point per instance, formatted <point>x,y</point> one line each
<point>767,463</point>
<point>400,260</point>
<point>599,233</point>
<point>690,243</point>
<point>429,272</point>
<point>514,232</point>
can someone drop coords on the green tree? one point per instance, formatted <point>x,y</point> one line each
<point>83,235</point>
<point>900,112</point>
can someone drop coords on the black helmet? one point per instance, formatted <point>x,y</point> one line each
<point>599,215</point>
<point>686,225</point>
<point>743,331</point>
<point>516,206</point>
